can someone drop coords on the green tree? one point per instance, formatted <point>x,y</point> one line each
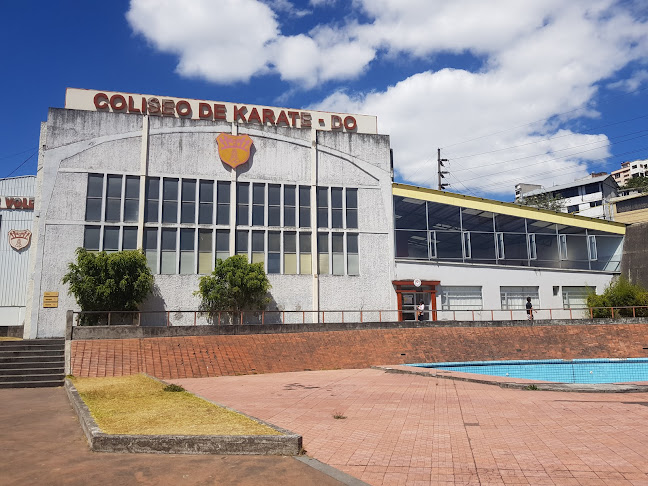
<point>640,183</point>
<point>620,293</point>
<point>234,285</point>
<point>543,201</point>
<point>108,281</point>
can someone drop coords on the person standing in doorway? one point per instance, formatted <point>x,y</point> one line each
<point>529,309</point>
<point>421,311</point>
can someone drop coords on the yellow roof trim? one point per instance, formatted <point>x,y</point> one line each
<point>510,209</point>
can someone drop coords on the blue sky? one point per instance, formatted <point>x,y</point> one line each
<point>541,91</point>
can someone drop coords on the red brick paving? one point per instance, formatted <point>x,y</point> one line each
<point>203,356</point>
<point>414,430</point>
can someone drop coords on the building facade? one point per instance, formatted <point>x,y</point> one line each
<point>629,170</point>
<point>308,194</point>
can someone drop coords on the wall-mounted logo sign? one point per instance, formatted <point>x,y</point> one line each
<point>17,202</point>
<point>19,239</point>
<point>234,150</point>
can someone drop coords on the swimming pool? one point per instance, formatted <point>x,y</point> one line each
<point>591,371</point>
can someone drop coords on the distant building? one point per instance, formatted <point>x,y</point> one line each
<point>589,196</point>
<point>628,170</point>
<point>630,208</point>
<point>525,188</point>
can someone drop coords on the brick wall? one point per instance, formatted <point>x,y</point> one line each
<point>201,356</point>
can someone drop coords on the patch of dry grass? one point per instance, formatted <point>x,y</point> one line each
<point>138,405</point>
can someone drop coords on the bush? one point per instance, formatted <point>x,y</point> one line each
<point>620,293</point>
<point>234,285</point>
<point>108,281</point>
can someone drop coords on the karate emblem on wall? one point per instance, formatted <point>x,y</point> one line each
<point>234,150</point>
<point>19,239</point>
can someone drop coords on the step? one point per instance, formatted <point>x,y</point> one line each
<point>32,347</point>
<point>30,352</point>
<point>52,341</point>
<point>21,363</point>
<point>31,384</point>
<point>53,370</point>
<point>30,377</point>
<point>31,359</point>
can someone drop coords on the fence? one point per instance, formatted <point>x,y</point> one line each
<point>198,318</point>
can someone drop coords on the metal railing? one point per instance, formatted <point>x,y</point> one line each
<point>168,318</point>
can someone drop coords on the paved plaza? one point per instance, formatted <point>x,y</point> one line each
<point>403,429</point>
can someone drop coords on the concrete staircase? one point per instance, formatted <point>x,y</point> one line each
<point>32,363</point>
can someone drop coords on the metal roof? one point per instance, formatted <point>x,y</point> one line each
<point>576,183</point>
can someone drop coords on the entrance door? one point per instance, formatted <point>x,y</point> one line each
<point>411,300</point>
<point>410,295</point>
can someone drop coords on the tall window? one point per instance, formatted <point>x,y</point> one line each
<point>222,244</point>
<point>515,297</point>
<point>258,204</point>
<point>131,200</point>
<point>322,207</point>
<point>274,205</point>
<point>129,238</point>
<point>168,264</point>
<point>305,257</point>
<point>151,208</point>
<point>274,252</point>
<point>188,209</point>
<point>351,208</point>
<point>338,253</point>
<point>91,237</point>
<point>258,246</point>
<point>170,201</point>
<point>290,252</point>
<point>205,251</point>
<point>94,198</point>
<point>187,245</point>
<point>111,239</point>
<point>323,253</point>
<point>223,206</point>
<point>336,207</point>
<point>242,242</point>
<point>353,258</point>
<point>113,198</point>
<point>206,202</point>
<point>304,207</point>
<point>151,248</point>
<point>243,203</point>
<point>289,206</point>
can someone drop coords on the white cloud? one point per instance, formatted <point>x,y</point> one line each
<point>538,60</point>
<point>631,84</point>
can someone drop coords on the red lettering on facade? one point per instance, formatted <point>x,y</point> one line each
<point>305,120</point>
<point>220,112</point>
<point>336,122</point>
<point>282,118</point>
<point>240,113</point>
<point>204,111</point>
<point>131,105</point>
<point>101,101</point>
<point>153,106</point>
<point>183,108</point>
<point>350,123</point>
<point>268,116</point>
<point>9,202</point>
<point>293,117</point>
<point>254,116</point>
<point>168,108</point>
<point>117,102</point>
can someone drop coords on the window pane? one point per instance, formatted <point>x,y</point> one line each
<point>131,208</point>
<point>93,210</point>
<point>274,243</point>
<point>169,239</point>
<point>242,192</point>
<point>114,186</point>
<point>186,239</point>
<point>169,212</point>
<point>338,264</point>
<point>336,197</point>
<point>534,226</point>
<point>290,242</point>
<point>352,243</point>
<point>448,245</point>
<point>351,198</point>
<point>338,242</point>
<point>274,216</point>
<point>152,188</point>
<point>132,187</point>
<point>336,218</point>
<point>515,250</point>
<point>205,263</point>
<point>222,214</point>
<point>509,224</point>
<point>189,190</point>
<point>482,246</point>
<point>95,185</point>
<point>206,191</point>
<point>205,240</point>
<point>168,263</point>
<point>413,244</point>
<point>111,238</point>
<point>170,189</point>
<point>205,211</point>
<point>353,264</point>
<point>150,238</point>
<point>410,213</point>
<point>187,262</point>
<point>222,240</point>
<point>274,263</point>
<point>305,263</point>
<point>129,238</point>
<point>258,193</point>
<point>289,195</point>
<point>476,220</point>
<point>290,263</point>
<point>274,194</point>
<point>241,242</point>
<point>258,241</point>
<point>257,215</point>
<point>113,209</point>
<point>443,217</point>
<point>304,242</point>
<point>352,218</point>
<point>223,189</point>
<point>91,238</point>
<point>304,217</point>
<point>188,212</point>
<point>151,211</point>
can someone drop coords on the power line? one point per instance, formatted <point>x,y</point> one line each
<point>23,163</point>
<point>17,153</point>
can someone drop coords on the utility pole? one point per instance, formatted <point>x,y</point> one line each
<point>441,172</point>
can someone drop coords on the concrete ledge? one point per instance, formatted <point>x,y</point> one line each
<point>516,383</point>
<point>11,331</point>
<point>137,332</point>
<point>287,444</point>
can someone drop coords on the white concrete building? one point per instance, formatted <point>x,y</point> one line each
<point>629,170</point>
<point>589,196</point>
<point>309,194</point>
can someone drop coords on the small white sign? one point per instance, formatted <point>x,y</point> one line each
<point>417,282</point>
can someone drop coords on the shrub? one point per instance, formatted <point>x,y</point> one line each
<point>173,388</point>
<point>108,281</point>
<point>620,293</point>
<point>234,285</point>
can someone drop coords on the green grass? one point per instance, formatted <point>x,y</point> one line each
<point>139,405</point>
